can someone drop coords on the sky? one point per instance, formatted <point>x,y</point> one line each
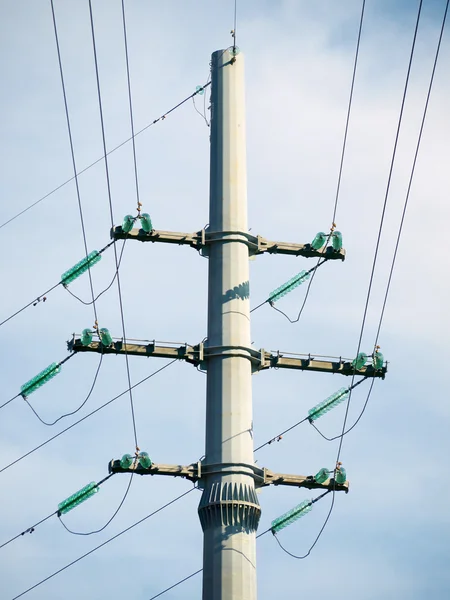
<point>387,538</point>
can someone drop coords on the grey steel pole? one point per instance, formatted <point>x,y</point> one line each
<point>229,510</point>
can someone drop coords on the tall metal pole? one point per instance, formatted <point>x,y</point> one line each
<point>229,510</point>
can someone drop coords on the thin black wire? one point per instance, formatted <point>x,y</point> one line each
<point>86,416</point>
<point>33,527</point>
<point>161,118</point>
<point>103,543</point>
<point>381,221</point>
<point>412,172</point>
<point>344,144</point>
<point>39,298</point>
<point>130,102</point>
<point>20,394</point>
<point>191,575</point>
<point>30,303</point>
<point>81,405</point>
<point>107,522</point>
<point>277,437</point>
<point>107,288</point>
<point>234,29</point>
<point>108,184</point>
<point>354,424</point>
<point>73,157</point>
<point>314,270</point>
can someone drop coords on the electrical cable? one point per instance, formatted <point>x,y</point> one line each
<point>107,522</point>
<point>20,394</point>
<point>161,118</point>
<point>43,296</point>
<point>72,152</point>
<point>278,437</point>
<point>312,270</point>
<point>394,152</point>
<point>336,437</point>
<point>130,103</point>
<point>412,171</point>
<point>108,184</point>
<point>338,187</point>
<point>103,544</point>
<point>191,575</point>
<point>109,285</point>
<point>86,416</point>
<point>33,527</point>
<point>341,436</point>
<point>81,405</point>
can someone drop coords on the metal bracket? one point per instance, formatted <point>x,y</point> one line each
<point>262,477</point>
<point>200,240</point>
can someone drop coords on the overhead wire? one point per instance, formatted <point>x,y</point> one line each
<point>341,436</point>
<point>43,296</point>
<point>419,139</point>
<point>108,184</point>
<point>77,409</point>
<point>103,544</point>
<point>20,393</point>
<point>72,152</point>
<point>33,527</point>
<point>113,516</point>
<point>341,165</point>
<point>54,190</point>
<point>87,416</point>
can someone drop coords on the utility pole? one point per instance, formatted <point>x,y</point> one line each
<point>229,510</point>
<point>227,475</point>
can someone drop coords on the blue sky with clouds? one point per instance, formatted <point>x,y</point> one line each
<point>388,538</point>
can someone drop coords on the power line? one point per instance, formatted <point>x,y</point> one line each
<point>161,118</point>
<point>20,393</point>
<point>412,172</point>
<point>108,286</point>
<point>33,527</point>
<point>338,187</point>
<point>108,184</point>
<point>336,437</point>
<point>130,102</point>
<point>42,297</point>
<point>103,544</point>
<point>369,290</point>
<point>108,521</point>
<point>72,152</point>
<point>81,405</point>
<point>344,143</point>
<point>86,416</point>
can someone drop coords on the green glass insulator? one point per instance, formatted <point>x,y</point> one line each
<point>75,499</point>
<point>360,360</point>
<point>319,241</point>
<point>289,286</point>
<point>105,337</point>
<point>326,405</point>
<point>86,337</point>
<point>291,516</point>
<point>322,476</point>
<point>378,360</point>
<point>199,90</point>
<point>336,240</point>
<point>36,382</point>
<point>146,223</point>
<point>144,460</point>
<point>81,267</point>
<point>126,461</point>
<point>128,222</point>
<point>341,476</point>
